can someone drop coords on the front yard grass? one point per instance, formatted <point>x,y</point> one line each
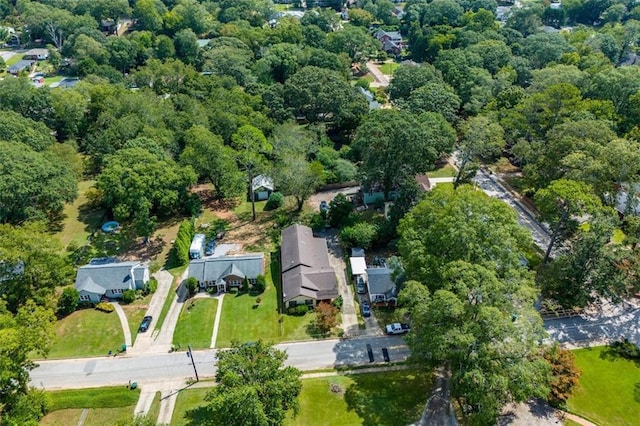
<point>608,390</point>
<point>445,171</point>
<point>104,397</point>
<point>385,398</point>
<point>387,316</point>
<point>244,320</point>
<point>106,405</point>
<point>188,399</point>
<point>195,324</point>
<point>85,333</point>
<point>388,68</point>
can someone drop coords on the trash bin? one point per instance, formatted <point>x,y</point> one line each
<point>133,385</point>
<point>123,348</point>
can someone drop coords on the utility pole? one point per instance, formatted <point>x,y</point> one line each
<point>190,355</point>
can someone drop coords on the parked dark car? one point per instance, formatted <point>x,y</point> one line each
<point>211,248</point>
<point>146,322</point>
<point>323,206</point>
<point>366,309</point>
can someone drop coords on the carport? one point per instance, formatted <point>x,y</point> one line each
<point>358,265</point>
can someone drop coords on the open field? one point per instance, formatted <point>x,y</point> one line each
<point>79,221</point>
<point>609,389</point>
<point>87,332</point>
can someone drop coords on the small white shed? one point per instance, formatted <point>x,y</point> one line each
<point>358,265</point>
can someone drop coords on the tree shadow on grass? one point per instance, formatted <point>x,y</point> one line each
<point>395,398</point>
<point>202,415</point>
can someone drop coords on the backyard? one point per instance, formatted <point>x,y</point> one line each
<point>388,68</point>
<point>195,324</point>
<point>609,389</point>
<point>104,406</point>
<point>385,398</point>
<point>85,333</point>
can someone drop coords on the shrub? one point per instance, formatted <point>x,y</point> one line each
<point>129,296</point>
<point>260,285</point>
<point>68,301</point>
<point>339,210</point>
<point>565,374</point>
<point>105,307</point>
<point>276,199</point>
<point>338,302</point>
<point>258,300</point>
<point>359,235</point>
<point>626,349</point>
<point>192,285</point>
<point>151,286</point>
<point>298,310</point>
<point>326,317</point>
<point>245,285</point>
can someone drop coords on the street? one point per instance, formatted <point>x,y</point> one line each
<point>489,184</point>
<point>148,368</point>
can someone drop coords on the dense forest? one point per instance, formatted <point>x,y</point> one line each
<point>175,93</point>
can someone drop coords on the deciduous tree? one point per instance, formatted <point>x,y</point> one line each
<point>253,386</point>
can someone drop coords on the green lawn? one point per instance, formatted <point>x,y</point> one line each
<point>87,332</point>
<point>154,411</point>
<point>50,80</point>
<point>609,389</point>
<point>188,399</point>
<point>387,398</point>
<point>243,320</point>
<point>165,308</point>
<point>79,221</point>
<point>388,316</point>
<point>388,68</point>
<point>244,211</point>
<point>195,324</point>
<point>105,397</point>
<point>14,59</point>
<point>446,171</point>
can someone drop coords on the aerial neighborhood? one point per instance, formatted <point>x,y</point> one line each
<point>290,212</point>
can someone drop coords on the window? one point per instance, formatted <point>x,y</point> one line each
<point>309,302</point>
<point>292,303</point>
<point>252,281</point>
<point>234,283</point>
<point>84,298</point>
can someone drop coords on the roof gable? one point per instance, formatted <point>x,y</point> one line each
<point>108,276</point>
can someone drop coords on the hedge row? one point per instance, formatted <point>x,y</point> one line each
<point>180,251</point>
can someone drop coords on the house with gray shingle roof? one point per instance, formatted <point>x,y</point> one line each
<point>307,276</point>
<point>95,281</point>
<point>382,289</point>
<point>224,272</point>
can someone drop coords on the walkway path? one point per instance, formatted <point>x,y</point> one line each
<point>216,324</point>
<point>577,419</point>
<point>144,341</point>
<point>145,400</point>
<point>169,395</point>
<point>123,322</point>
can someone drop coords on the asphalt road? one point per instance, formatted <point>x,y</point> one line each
<point>489,184</point>
<point>149,368</point>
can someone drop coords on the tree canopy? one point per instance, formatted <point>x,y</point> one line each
<point>253,386</point>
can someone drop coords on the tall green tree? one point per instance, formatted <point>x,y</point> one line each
<point>563,204</point>
<point>297,177</point>
<point>137,186</point>
<point>460,224</point>
<point>33,265</point>
<point>28,332</point>
<point>251,145</point>
<point>33,185</point>
<point>211,159</point>
<point>396,144</point>
<point>482,140</point>
<point>253,386</point>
